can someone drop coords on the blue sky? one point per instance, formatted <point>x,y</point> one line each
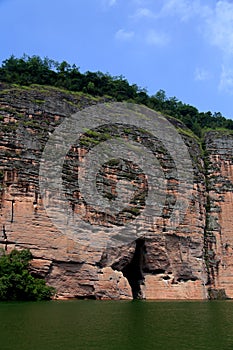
<point>184,47</point>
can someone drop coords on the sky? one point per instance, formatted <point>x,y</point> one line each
<point>184,47</point>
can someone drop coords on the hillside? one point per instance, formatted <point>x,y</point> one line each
<point>27,70</point>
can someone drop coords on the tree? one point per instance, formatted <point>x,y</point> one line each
<point>34,70</point>
<point>16,282</point>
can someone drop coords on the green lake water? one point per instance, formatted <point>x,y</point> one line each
<point>107,325</point>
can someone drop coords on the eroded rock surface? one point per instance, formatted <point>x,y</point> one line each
<point>161,263</point>
<point>219,228</point>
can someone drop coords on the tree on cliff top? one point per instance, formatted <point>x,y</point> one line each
<point>34,70</point>
<point>16,282</point>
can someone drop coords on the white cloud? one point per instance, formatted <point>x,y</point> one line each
<point>216,22</point>
<point>124,35</point>
<point>219,33</point>
<point>213,19</point>
<point>157,39</point>
<point>143,13</point>
<point>184,9</point>
<point>226,81</point>
<point>219,27</point>
<point>201,74</point>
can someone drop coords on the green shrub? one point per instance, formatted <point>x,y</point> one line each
<point>16,282</point>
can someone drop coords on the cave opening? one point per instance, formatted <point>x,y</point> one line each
<point>134,270</point>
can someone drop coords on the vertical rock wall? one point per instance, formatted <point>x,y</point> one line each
<point>161,264</point>
<point>219,228</point>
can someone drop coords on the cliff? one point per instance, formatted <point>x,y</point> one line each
<point>218,244</point>
<point>190,262</point>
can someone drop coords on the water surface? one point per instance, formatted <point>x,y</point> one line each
<point>108,325</point>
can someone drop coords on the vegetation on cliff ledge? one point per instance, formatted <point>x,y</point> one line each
<point>34,70</point>
<point>16,282</point>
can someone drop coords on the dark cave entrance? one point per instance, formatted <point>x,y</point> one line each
<point>134,270</point>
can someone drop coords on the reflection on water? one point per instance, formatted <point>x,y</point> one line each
<point>108,325</point>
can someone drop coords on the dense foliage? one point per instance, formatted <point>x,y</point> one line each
<point>16,283</point>
<point>34,70</point>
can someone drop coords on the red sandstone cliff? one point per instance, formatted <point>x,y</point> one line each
<point>161,264</point>
<point>219,238</point>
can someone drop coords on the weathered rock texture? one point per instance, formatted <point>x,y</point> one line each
<point>161,264</point>
<point>219,223</point>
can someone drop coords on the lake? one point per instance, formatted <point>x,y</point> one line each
<point>108,325</point>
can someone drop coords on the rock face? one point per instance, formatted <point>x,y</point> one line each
<point>219,223</point>
<point>184,263</point>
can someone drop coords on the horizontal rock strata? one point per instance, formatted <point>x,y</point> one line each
<point>161,263</point>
